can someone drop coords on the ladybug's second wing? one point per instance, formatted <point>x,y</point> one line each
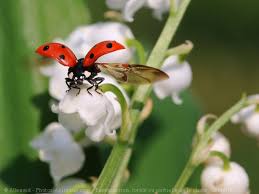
<point>59,52</point>
<point>132,73</point>
<point>101,49</point>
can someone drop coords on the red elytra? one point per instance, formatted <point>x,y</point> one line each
<point>100,49</point>
<point>66,57</point>
<point>59,52</point>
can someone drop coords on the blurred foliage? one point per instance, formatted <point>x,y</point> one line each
<point>224,62</point>
<point>24,25</point>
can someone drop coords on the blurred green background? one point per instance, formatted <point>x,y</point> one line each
<point>224,61</point>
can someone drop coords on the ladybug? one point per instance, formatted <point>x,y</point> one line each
<point>127,73</point>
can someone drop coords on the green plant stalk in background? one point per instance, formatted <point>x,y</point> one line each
<point>140,49</point>
<point>117,162</point>
<point>198,153</point>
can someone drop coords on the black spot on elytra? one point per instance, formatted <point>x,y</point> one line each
<point>63,46</point>
<point>62,57</point>
<point>46,47</point>
<point>109,45</point>
<point>91,55</point>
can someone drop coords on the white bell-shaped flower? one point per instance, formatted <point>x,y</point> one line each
<point>93,112</point>
<point>243,114</point>
<point>246,112</point>
<point>130,7</point>
<point>57,88</point>
<point>251,125</point>
<point>221,144</point>
<point>74,122</point>
<point>215,179</point>
<point>249,117</point>
<point>57,147</point>
<point>180,78</point>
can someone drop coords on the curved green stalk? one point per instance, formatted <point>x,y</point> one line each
<point>223,157</point>
<point>140,49</point>
<point>196,157</point>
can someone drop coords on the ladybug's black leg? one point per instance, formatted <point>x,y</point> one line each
<point>92,85</point>
<point>93,81</point>
<point>71,84</point>
<point>68,82</point>
<point>90,89</point>
<point>76,87</point>
<point>97,81</point>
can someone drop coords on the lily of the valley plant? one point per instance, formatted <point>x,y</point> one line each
<point>85,119</point>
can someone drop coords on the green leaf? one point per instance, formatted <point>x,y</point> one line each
<point>163,146</point>
<point>24,25</point>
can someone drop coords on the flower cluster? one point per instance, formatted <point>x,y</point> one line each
<point>220,175</point>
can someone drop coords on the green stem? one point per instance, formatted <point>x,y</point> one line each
<point>184,177</point>
<point>220,122</point>
<point>121,153</point>
<point>172,6</point>
<point>162,44</point>
<point>223,157</point>
<point>120,176</point>
<point>114,168</point>
<point>140,49</point>
<point>196,157</point>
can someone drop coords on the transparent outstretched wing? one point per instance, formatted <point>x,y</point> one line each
<point>132,73</point>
